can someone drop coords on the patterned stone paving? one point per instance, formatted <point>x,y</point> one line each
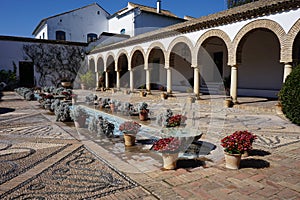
<point>17,158</point>
<point>77,176</point>
<point>44,159</point>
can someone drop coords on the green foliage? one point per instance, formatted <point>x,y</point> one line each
<point>234,3</point>
<point>88,79</point>
<point>55,63</point>
<point>290,96</point>
<point>9,77</point>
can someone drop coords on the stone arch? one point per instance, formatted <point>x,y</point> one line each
<point>181,39</point>
<point>92,64</point>
<point>154,45</point>
<point>257,24</point>
<point>289,42</point>
<point>156,58</point>
<point>100,61</point>
<point>211,33</point>
<point>106,58</point>
<point>122,51</point>
<point>179,64</point>
<point>133,51</point>
<point>122,60</point>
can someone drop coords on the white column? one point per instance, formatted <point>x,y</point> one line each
<point>287,70</point>
<point>169,80</point>
<point>118,80</point>
<point>131,80</point>
<point>196,81</point>
<point>106,80</point>
<point>148,88</point>
<point>233,84</point>
<point>97,80</point>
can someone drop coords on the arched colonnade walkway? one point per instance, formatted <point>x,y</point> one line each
<point>255,56</point>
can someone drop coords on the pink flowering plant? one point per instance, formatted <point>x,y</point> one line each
<point>130,127</point>
<point>238,142</point>
<point>167,145</point>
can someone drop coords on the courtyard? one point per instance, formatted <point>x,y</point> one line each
<point>44,159</point>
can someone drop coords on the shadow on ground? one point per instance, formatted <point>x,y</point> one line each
<point>258,152</point>
<point>6,110</point>
<point>254,163</point>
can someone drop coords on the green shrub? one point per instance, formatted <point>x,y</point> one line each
<point>290,96</point>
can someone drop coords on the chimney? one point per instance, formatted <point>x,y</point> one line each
<point>158,6</point>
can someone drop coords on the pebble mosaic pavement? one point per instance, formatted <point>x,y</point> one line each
<point>44,159</point>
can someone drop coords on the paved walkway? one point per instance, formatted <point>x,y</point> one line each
<point>44,159</point>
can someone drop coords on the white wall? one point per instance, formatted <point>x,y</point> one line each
<point>79,23</point>
<point>43,33</point>
<point>145,22</point>
<point>116,24</point>
<point>11,51</point>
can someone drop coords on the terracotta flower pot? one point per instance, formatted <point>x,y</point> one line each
<point>232,161</point>
<point>129,139</point>
<point>80,122</point>
<point>143,116</point>
<point>169,160</point>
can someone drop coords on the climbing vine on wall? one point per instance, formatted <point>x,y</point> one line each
<point>55,62</point>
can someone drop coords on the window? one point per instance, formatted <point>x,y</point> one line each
<point>60,35</point>
<point>43,35</point>
<point>123,31</point>
<point>91,37</point>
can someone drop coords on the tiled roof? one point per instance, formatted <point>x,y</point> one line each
<point>240,13</point>
<point>143,8</point>
<point>152,10</point>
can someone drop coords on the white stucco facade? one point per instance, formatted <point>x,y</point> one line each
<point>76,24</point>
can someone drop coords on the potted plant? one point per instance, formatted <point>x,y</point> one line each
<point>235,145</point>
<point>143,111</point>
<point>129,129</point>
<point>176,120</point>
<point>169,147</point>
<point>74,98</point>
<point>79,115</point>
<point>62,112</point>
<point>114,104</point>
<point>65,82</point>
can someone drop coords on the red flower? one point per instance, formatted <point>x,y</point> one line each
<point>167,145</point>
<point>175,120</point>
<point>238,142</point>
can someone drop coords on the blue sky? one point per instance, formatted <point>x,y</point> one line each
<point>20,17</point>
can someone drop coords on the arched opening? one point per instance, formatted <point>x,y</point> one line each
<point>123,69</point>
<point>137,65</point>
<point>110,69</point>
<point>91,65</point>
<point>212,59</point>
<point>101,73</point>
<point>180,61</point>
<point>296,50</point>
<point>156,63</point>
<point>259,70</point>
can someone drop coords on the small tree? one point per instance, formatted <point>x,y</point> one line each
<point>289,96</point>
